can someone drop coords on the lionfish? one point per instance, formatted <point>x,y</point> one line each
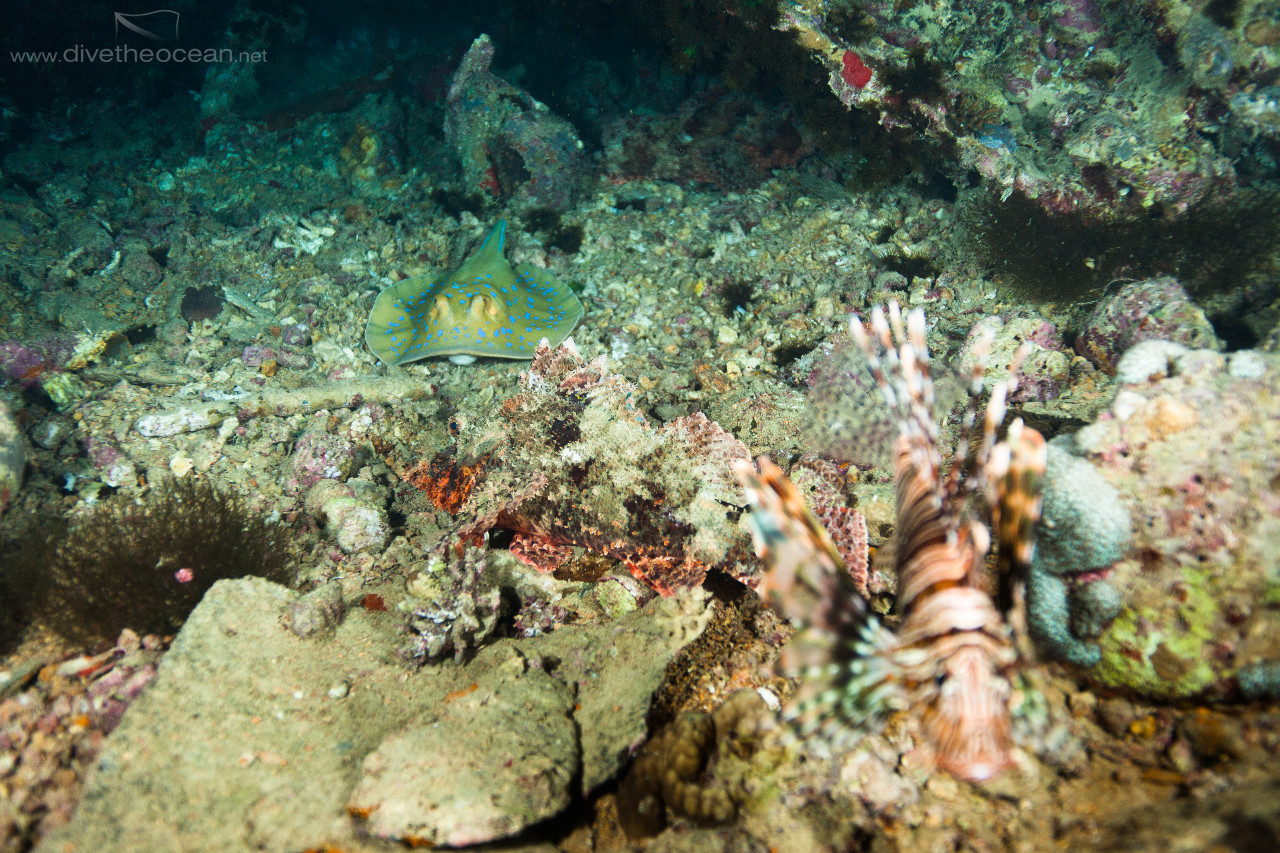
<point>952,657</point>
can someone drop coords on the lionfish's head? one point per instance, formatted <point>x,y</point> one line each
<point>968,719</point>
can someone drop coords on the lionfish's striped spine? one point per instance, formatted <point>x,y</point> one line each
<point>953,649</point>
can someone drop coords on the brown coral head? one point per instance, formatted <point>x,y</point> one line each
<point>445,481</point>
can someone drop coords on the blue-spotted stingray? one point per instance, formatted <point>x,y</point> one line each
<point>483,308</point>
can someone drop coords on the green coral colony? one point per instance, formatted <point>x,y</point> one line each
<point>484,308</point>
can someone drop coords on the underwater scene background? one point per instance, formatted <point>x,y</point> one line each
<point>640,425</point>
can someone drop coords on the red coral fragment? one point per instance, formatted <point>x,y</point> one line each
<point>855,72</point>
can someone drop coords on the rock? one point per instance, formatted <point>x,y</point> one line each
<point>13,457</point>
<point>616,668</point>
<point>495,757</point>
<point>114,467</point>
<point>510,144</point>
<point>1155,309</point>
<point>242,742</point>
<point>1148,360</point>
<point>237,745</point>
<point>319,456</point>
<point>25,363</point>
<point>318,612</point>
<point>357,522</point>
<point>1192,455</point>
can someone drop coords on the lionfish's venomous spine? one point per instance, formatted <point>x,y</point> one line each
<point>951,656</point>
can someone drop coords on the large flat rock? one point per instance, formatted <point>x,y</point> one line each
<point>496,757</point>
<point>252,738</point>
